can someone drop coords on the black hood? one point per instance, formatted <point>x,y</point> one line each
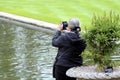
<point>73,37</point>
<point>78,43</point>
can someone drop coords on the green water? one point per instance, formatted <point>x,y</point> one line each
<point>25,54</point>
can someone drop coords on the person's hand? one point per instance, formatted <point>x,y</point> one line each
<point>60,27</point>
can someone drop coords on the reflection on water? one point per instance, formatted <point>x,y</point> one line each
<point>25,54</point>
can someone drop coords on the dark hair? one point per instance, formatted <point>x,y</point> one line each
<point>78,29</point>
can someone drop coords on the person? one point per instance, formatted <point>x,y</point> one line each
<point>70,46</point>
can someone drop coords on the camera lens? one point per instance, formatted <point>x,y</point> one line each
<point>65,24</point>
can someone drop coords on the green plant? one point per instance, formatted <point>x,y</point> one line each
<point>103,38</point>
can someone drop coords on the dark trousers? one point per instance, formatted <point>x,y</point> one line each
<point>60,73</point>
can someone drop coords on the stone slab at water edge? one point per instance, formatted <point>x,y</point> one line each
<point>30,21</point>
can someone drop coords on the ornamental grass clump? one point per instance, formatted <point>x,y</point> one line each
<point>103,38</point>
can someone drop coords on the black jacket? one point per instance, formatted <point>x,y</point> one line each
<point>70,46</point>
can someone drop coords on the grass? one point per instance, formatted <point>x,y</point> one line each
<point>55,11</point>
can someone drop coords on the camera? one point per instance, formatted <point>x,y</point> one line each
<point>65,24</point>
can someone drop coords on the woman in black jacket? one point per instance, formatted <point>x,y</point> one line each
<point>70,46</point>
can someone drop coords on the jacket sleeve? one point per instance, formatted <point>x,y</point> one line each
<point>58,39</point>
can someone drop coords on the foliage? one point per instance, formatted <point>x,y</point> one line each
<point>103,38</point>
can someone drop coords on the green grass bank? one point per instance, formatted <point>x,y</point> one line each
<point>55,11</point>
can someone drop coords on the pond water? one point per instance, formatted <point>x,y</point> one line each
<point>25,54</point>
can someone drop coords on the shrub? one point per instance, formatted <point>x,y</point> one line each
<point>103,37</point>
